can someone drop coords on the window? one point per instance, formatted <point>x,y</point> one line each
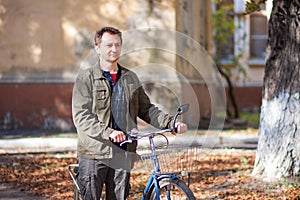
<point>236,33</point>
<point>258,35</point>
<point>223,20</point>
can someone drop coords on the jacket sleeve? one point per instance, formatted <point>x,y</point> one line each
<point>150,113</point>
<point>86,122</point>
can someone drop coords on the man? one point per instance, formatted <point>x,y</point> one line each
<point>107,99</point>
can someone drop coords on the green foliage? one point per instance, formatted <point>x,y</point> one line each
<point>16,164</point>
<point>253,5</point>
<point>223,23</point>
<point>287,183</point>
<point>252,118</point>
<point>45,167</point>
<point>244,162</point>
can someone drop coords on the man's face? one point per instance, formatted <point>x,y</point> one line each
<point>110,47</point>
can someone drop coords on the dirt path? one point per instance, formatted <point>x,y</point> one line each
<point>8,193</point>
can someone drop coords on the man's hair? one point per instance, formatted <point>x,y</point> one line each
<point>111,30</point>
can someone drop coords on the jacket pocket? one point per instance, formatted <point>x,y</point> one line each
<point>100,97</point>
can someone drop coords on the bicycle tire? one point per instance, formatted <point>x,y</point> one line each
<point>177,190</point>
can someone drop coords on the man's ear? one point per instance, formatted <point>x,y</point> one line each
<point>97,49</point>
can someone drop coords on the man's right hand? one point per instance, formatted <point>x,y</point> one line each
<point>117,136</point>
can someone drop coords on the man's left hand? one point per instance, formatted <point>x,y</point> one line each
<point>180,127</point>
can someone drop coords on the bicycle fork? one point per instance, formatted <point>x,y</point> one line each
<point>153,184</point>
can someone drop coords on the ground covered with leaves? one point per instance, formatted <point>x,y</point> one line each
<point>221,174</point>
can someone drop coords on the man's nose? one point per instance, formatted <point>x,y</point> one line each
<point>114,48</point>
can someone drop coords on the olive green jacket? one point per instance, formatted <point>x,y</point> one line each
<point>91,111</point>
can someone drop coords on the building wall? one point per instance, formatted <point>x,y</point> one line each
<point>51,38</point>
<point>36,106</point>
<point>43,44</point>
<point>48,105</point>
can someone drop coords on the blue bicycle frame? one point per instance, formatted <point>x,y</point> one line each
<point>154,180</point>
<point>156,176</point>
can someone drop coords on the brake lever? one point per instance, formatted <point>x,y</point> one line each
<point>129,140</point>
<point>126,141</point>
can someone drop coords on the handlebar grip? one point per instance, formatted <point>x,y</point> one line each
<point>175,129</point>
<point>126,141</point>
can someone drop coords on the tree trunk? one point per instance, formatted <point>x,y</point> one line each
<point>278,151</point>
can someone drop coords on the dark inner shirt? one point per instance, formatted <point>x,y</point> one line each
<point>113,80</point>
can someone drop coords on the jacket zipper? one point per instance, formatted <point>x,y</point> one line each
<point>109,90</point>
<point>127,101</point>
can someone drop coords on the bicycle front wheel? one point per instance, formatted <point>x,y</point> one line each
<point>172,190</point>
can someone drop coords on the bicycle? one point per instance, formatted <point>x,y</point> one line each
<point>160,185</point>
<point>73,171</point>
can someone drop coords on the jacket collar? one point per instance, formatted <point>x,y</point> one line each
<point>98,73</point>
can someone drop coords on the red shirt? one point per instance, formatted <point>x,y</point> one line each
<point>114,77</point>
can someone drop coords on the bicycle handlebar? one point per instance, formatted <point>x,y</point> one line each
<point>133,135</point>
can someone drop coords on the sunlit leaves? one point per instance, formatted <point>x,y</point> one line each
<point>222,175</point>
<point>254,5</point>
